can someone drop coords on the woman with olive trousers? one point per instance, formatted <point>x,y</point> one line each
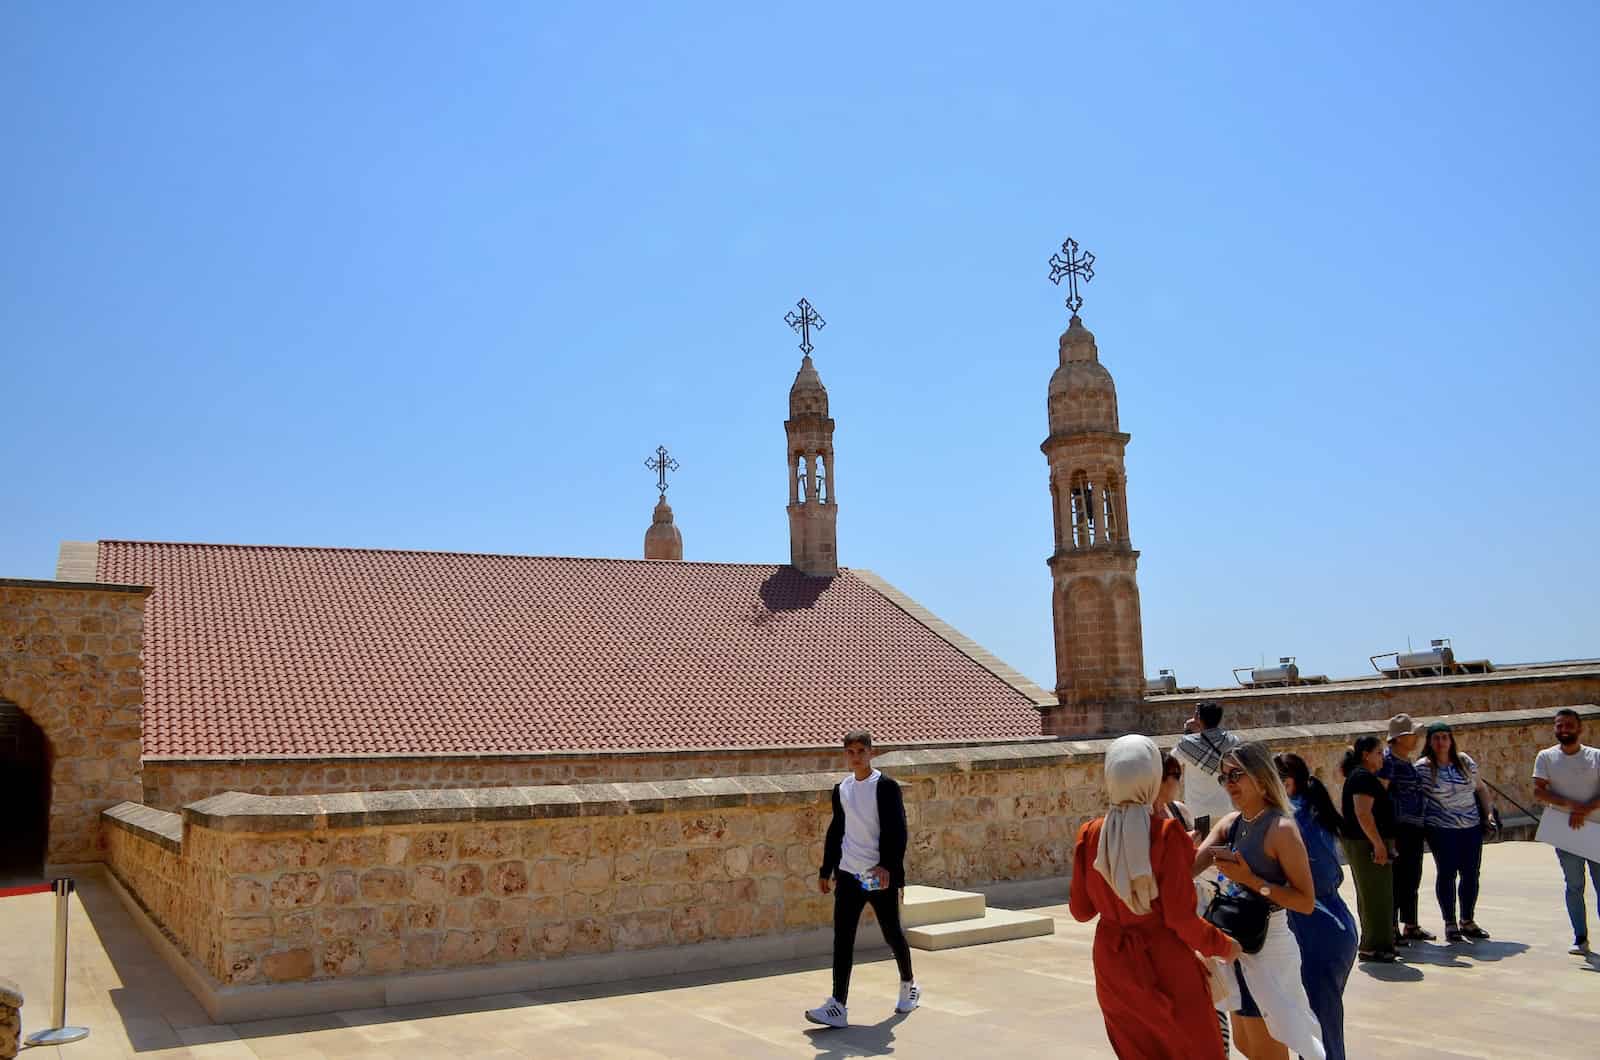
<point>1368,814</point>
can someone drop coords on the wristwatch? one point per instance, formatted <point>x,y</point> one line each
<point>1266,890</point>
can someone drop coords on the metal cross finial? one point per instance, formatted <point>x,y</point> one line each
<point>661,463</point>
<point>1071,264</point>
<point>803,322</point>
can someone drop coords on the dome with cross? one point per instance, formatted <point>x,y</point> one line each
<point>1083,396</point>
<point>808,396</point>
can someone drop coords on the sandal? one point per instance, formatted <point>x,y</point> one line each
<point>1472,931</point>
<point>1452,933</point>
<point>1413,933</point>
<point>1380,956</point>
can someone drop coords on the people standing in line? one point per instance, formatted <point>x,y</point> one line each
<point>1454,826</point>
<point>1368,814</point>
<point>863,859</point>
<point>1405,791</point>
<point>1131,869</point>
<point>1567,776</point>
<point>1328,934</point>
<point>1204,743</point>
<point>1168,804</point>
<point>1259,848</point>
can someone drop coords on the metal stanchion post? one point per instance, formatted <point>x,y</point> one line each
<point>59,1033</point>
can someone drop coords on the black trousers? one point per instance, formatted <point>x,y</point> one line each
<point>848,901</point>
<point>1408,841</point>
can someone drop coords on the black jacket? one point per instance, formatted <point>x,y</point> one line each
<point>891,833</point>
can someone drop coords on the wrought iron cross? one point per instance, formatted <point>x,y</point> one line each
<point>803,322</point>
<point>1071,264</point>
<point>661,463</point>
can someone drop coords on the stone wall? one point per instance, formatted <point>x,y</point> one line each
<point>264,889</point>
<point>10,1019</point>
<point>69,658</point>
<point>1380,699</point>
<point>177,879</point>
<point>170,783</point>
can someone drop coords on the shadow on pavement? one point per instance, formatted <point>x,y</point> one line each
<point>872,1039</point>
<point>152,1002</point>
<point>1421,955</point>
<point>1392,973</point>
<point>534,998</point>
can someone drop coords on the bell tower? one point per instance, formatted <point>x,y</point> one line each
<point>1098,634</point>
<point>813,506</point>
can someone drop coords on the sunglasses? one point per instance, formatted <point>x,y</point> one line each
<point>1231,776</point>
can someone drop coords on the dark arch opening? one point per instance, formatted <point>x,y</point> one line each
<point>24,796</point>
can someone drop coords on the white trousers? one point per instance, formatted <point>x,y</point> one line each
<point>1273,976</point>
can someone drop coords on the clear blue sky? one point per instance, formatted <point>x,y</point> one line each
<point>442,276</point>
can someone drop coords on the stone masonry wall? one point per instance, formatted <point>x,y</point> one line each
<point>69,657</point>
<point>1379,700</point>
<point>10,1019</point>
<point>326,887</point>
<point>178,882</point>
<point>172,783</point>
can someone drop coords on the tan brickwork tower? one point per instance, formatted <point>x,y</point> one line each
<point>663,540</point>
<point>813,507</point>
<point>1099,640</point>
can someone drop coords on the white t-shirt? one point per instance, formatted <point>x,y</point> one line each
<point>861,830</point>
<point>1574,776</point>
<point>1203,795</point>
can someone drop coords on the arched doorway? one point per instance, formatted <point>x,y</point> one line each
<point>24,795</point>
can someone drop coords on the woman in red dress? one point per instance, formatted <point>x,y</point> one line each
<point>1132,869</point>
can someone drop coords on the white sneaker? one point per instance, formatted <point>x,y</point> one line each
<point>910,996</point>
<point>830,1014</point>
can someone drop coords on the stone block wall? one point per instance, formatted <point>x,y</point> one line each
<point>10,1019</point>
<point>69,658</point>
<point>1379,700</point>
<point>264,889</point>
<point>171,783</point>
<point>176,879</point>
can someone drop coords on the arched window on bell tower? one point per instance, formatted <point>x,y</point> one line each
<point>1083,510</point>
<point>1112,495</point>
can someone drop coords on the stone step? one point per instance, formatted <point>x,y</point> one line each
<point>996,925</point>
<point>939,905</point>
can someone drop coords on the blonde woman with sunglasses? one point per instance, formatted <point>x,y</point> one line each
<point>1258,848</point>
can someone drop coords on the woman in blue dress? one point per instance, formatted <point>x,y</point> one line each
<point>1328,935</point>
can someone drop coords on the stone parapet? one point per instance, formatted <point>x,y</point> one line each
<point>262,890</point>
<point>171,782</point>
<point>1372,700</point>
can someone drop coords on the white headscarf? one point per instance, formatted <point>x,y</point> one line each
<point>1133,776</point>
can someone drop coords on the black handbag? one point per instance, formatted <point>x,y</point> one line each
<point>1243,916</point>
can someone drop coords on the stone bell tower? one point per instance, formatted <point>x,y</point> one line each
<point>813,506</point>
<point>1099,637</point>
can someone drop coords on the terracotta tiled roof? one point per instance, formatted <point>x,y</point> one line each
<point>265,651</point>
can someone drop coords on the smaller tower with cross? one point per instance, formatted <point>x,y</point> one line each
<point>813,505</point>
<point>663,540</point>
<point>1093,566</point>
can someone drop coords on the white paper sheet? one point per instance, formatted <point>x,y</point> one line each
<point>1554,829</point>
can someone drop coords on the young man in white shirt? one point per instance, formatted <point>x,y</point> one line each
<point>863,863</point>
<point>1567,776</point>
<point>1204,743</point>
